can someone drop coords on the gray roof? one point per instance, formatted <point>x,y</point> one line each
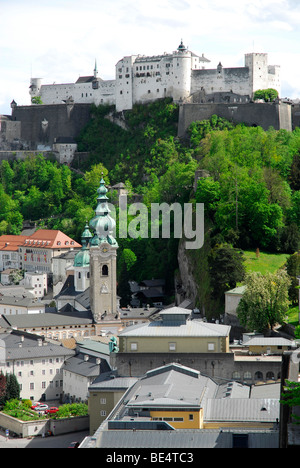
<point>48,320</point>
<point>111,382</point>
<point>78,365</point>
<point>29,347</point>
<point>242,409</point>
<point>190,328</point>
<point>205,438</point>
<point>20,301</point>
<point>277,341</point>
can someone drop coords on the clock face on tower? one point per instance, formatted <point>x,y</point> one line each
<point>105,250</point>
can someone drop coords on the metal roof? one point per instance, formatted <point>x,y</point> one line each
<point>201,438</point>
<point>190,328</point>
<point>242,409</point>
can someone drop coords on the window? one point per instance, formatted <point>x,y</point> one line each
<point>105,270</point>
<point>172,346</point>
<point>211,346</point>
<point>133,346</point>
<point>103,401</point>
<point>102,413</point>
<point>191,417</point>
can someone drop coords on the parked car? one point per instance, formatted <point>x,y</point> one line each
<point>51,410</point>
<point>41,407</point>
<point>35,404</point>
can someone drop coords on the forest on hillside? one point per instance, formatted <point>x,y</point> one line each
<point>251,189</point>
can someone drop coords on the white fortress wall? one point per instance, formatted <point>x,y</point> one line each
<point>221,79</point>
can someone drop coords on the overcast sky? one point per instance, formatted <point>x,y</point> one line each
<point>59,40</point>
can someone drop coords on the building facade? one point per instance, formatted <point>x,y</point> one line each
<point>36,363</point>
<point>178,75</point>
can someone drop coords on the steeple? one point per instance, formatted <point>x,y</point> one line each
<point>103,224</point>
<point>103,257</point>
<point>95,70</point>
<point>82,263</point>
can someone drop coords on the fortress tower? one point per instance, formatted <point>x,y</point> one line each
<point>182,70</point>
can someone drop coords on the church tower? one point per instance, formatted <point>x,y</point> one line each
<point>103,259</point>
<point>82,263</point>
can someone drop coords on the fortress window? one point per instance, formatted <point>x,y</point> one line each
<point>105,270</point>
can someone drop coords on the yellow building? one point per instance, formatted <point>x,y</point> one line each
<point>175,398</point>
<point>174,332</point>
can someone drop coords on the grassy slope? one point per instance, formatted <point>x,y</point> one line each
<point>265,262</point>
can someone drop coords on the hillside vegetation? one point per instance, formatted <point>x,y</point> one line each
<point>251,193</point>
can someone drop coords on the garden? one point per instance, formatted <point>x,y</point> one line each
<point>21,409</point>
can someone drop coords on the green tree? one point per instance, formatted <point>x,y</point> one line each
<point>226,266</point>
<point>291,397</point>
<point>265,301</point>
<point>12,387</point>
<point>267,95</point>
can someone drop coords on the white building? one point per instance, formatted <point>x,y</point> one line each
<point>178,75</point>
<point>37,283</point>
<point>36,363</point>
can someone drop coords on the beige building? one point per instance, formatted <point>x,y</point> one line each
<point>175,333</point>
<point>262,345</point>
<point>104,394</point>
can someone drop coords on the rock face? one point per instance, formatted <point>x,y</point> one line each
<point>186,284</point>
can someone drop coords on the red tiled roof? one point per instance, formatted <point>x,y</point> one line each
<point>11,243</point>
<point>43,238</point>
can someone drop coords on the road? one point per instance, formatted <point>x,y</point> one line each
<point>60,441</point>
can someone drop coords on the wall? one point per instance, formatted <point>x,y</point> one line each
<point>221,365</point>
<point>40,427</point>
<point>41,125</point>
<point>236,80</point>
<point>189,344</point>
<point>262,114</point>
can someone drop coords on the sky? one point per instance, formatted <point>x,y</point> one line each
<point>59,40</point>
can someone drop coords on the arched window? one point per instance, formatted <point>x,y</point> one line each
<point>247,375</point>
<point>236,375</point>
<point>105,270</point>
<point>270,376</point>
<point>258,375</point>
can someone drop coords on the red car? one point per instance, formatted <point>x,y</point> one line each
<point>51,410</point>
<point>35,404</point>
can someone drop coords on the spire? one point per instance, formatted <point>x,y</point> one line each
<point>95,69</point>
<point>103,224</point>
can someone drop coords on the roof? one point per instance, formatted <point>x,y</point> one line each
<point>261,341</point>
<point>30,346</point>
<point>173,386</point>
<point>87,368</point>
<point>238,290</point>
<point>185,438</point>
<point>11,243</point>
<point>42,238</point>
<point>21,301</point>
<point>85,79</point>
<point>48,320</point>
<point>242,409</point>
<point>190,328</point>
<point>50,239</point>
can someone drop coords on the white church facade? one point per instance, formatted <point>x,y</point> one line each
<point>178,75</point>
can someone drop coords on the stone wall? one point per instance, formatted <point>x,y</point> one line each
<point>277,115</point>
<point>41,125</point>
<point>217,365</point>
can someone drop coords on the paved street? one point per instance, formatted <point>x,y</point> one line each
<point>61,441</point>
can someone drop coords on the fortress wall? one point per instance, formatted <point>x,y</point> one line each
<point>236,80</point>
<point>263,114</point>
<point>41,124</point>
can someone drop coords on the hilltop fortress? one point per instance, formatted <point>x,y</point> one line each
<point>179,75</point>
